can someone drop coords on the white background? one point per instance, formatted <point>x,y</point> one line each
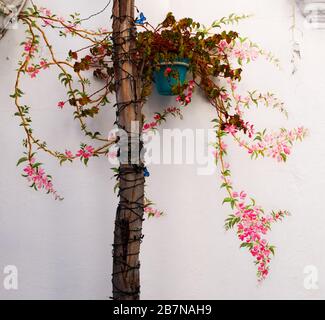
<point>63,249</point>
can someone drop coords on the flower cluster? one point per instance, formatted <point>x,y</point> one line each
<point>245,51</point>
<point>32,71</point>
<point>161,117</point>
<point>276,145</point>
<point>252,225</point>
<point>50,20</point>
<point>36,175</point>
<point>29,47</point>
<point>186,98</point>
<point>153,212</point>
<point>85,152</point>
<point>242,50</point>
<point>254,98</point>
<point>150,211</point>
<point>150,126</point>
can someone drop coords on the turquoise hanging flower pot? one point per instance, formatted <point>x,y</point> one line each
<point>165,78</point>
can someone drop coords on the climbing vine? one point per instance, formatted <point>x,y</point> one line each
<point>216,59</point>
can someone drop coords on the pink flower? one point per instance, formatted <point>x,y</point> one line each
<point>168,71</point>
<point>44,64</point>
<point>223,44</point>
<point>171,109</point>
<point>152,212</point>
<point>48,22</point>
<point>188,100</point>
<point>226,164</point>
<point>29,170</point>
<point>253,54</point>
<point>39,179</point>
<point>146,126</point>
<point>90,149</point>
<point>232,84</point>
<point>242,195</point>
<point>69,154</point>
<point>185,100</point>
<point>191,84</point>
<point>230,128</point>
<point>151,125</point>
<point>224,96</point>
<point>61,104</point>
<point>286,150</point>
<point>85,152</point>
<point>235,194</point>
<point>32,71</point>
<point>29,47</point>
<point>215,153</point>
<point>45,11</point>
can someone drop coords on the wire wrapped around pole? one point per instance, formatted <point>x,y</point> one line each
<point>129,215</point>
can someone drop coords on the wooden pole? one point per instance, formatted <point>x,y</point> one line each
<point>129,215</point>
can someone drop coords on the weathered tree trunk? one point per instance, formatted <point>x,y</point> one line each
<point>129,215</point>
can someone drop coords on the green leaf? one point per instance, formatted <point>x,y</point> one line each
<point>36,165</point>
<point>21,160</point>
<point>272,249</point>
<point>246,245</point>
<point>284,156</point>
<point>227,200</point>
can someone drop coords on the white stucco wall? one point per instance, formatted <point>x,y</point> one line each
<point>63,249</point>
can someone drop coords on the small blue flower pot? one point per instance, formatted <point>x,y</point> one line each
<point>165,83</point>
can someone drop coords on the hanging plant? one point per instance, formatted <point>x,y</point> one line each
<point>171,74</point>
<point>214,60</point>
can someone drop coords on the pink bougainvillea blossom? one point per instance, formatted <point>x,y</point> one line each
<point>152,212</point>
<point>150,126</point>
<point>30,47</point>
<point>251,225</point>
<point>276,145</point>
<point>186,98</point>
<point>245,51</point>
<point>231,129</point>
<point>69,154</point>
<point>43,64</point>
<point>85,152</point>
<point>224,96</point>
<point>61,104</point>
<point>39,179</point>
<point>32,71</point>
<point>223,46</point>
<point>45,11</point>
<point>157,117</point>
<point>167,72</point>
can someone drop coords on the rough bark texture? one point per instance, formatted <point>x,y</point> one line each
<point>129,215</point>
